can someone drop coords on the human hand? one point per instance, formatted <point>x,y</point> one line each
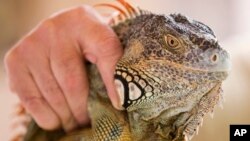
<point>46,68</point>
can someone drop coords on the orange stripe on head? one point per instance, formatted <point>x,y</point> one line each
<point>122,13</point>
<point>131,10</point>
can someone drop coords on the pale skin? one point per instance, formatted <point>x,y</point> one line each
<point>46,67</point>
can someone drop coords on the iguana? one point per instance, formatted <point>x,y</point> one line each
<point>168,78</point>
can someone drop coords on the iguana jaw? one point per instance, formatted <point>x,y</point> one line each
<point>125,79</point>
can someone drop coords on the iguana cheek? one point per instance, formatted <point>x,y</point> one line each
<point>134,91</point>
<point>120,90</point>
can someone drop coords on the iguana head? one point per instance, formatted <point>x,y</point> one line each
<point>168,56</point>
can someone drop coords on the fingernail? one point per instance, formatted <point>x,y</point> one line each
<point>119,90</point>
<point>70,125</point>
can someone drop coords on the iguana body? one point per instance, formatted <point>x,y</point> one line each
<point>168,78</point>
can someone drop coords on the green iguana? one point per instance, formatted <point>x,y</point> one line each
<point>168,78</point>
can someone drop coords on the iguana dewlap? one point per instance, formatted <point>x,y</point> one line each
<point>168,78</point>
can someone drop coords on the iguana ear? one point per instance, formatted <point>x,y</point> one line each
<point>133,50</point>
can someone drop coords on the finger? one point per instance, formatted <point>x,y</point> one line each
<point>104,50</point>
<point>101,46</point>
<point>68,67</point>
<point>37,106</point>
<point>97,41</point>
<point>46,81</point>
<point>39,46</point>
<point>106,63</point>
<point>22,83</point>
<point>53,94</point>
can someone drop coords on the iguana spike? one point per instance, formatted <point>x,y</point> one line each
<point>19,123</point>
<point>19,109</point>
<point>211,114</point>
<point>121,12</point>
<point>130,9</point>
<point>113,17</point>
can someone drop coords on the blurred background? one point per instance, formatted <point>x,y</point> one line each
<point>230,19</point>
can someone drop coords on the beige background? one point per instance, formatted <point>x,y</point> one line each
<point>228,18</point>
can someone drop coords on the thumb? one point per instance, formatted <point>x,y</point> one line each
<point>102,47</point>
<point>106,61</point>
<point>105,50</point>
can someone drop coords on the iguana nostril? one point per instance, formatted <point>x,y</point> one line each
<point>214,58</point>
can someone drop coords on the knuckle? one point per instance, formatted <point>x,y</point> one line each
<point>47,24</point>
<point>10,57</point>
<point>83,9</point>
<point>28,99</point>
<point>50,86</point>
<point>19,52</point>
<point>110,39</point>
<point>24,49</point>
<point>69,69</point>
<point>72,82</point>
<point>52,92</point>
<point>46,29</point>
<point>110,45</point>
<point>68,62</point>
<point>72,70</point>
<point>26,95</point>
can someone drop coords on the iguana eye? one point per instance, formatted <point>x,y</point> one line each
<point>173,43</point>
